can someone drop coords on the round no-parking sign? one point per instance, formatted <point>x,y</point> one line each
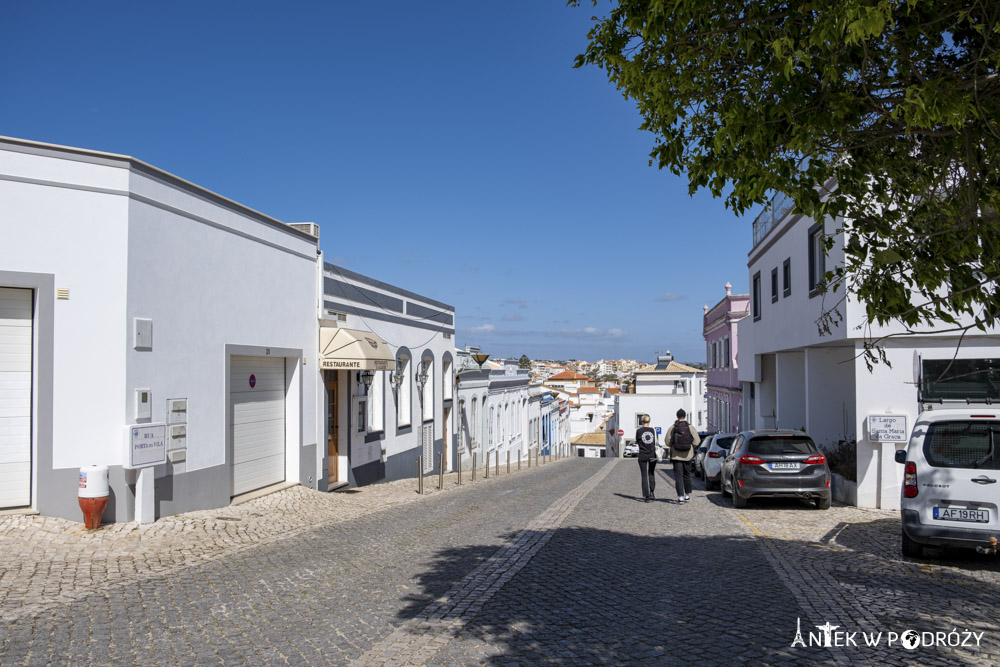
<point>253,381</point>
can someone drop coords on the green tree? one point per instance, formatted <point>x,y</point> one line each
<point>524,362</point>
<point>609,377</point>
<point>883,114</point>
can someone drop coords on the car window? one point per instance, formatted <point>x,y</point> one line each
<point>724,443</point>
<point>962,445</point>
<point>769,445</point>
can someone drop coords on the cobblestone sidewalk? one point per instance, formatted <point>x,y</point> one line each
<point>49,561</point>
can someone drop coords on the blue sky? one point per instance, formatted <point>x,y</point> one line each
<point>446,147</point>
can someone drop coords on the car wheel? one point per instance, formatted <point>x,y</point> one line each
<point>738,502</point>
<point>912,549</point>
<point>822,503</point>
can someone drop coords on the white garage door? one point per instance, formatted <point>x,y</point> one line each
<point>257,404</point>
<point>15,397</point>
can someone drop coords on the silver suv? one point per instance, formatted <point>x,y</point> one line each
<point>950,479</point>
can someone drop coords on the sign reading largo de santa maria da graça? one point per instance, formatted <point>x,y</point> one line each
<point>887,428</point>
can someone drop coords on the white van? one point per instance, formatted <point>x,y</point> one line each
<point>951,482</point>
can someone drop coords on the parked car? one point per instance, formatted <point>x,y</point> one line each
<point>951,469</point>
<point>711,465</point>
<point>699,454</point>
<point>632,449</point>
<point>775,464</point>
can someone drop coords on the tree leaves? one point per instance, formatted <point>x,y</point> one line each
<point>893,105</point>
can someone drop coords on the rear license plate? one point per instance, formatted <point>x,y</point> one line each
<point>957,514</point>
<point>783,466</point>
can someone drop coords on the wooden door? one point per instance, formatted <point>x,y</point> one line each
<point>332,428</point>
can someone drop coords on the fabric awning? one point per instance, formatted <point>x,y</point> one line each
<point>350,349</point>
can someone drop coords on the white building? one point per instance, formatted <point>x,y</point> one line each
<point>130,297</point>
<point>507,406</point>
<point>659,393</point>
<point>796,378</point>
<point>377,432</point>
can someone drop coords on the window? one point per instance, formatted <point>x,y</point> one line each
<point>427,393</point>
<point>638,419</point>
<point>756,296</point>
<point>376,403</point>
<point>361,404</point>
<point>447,380</point>
<point>817,259</point>
<point>491,428</point>
<point>729,353</point>
<point>774,284</point>
<point>462,420</point>
<point>474,422</point>
<point>786,276</point>
<point>403,391</point>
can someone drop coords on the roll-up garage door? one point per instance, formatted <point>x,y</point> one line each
<point>257,406</point>
<point>15,397</point>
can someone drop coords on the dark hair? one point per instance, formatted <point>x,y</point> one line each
<point>681,414</point>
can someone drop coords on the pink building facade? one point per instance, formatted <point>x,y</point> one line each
<point>723,393</point>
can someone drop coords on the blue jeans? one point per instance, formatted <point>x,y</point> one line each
<point>647,470</point>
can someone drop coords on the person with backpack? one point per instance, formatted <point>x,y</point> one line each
<point>683,439</point>
<point>646,438</point>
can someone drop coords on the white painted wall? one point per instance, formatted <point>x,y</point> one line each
<point>81,238</point>
<point>210,284</point>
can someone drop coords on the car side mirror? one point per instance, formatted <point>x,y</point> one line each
<point>900,456</point>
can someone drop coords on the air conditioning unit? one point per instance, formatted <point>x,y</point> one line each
<point>310,228</point>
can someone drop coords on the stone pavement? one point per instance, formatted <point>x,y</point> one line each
<point>561,564</point>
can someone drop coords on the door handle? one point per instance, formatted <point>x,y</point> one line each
<point>984,480</point>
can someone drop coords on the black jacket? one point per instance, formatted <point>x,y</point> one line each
<point>646,437</point>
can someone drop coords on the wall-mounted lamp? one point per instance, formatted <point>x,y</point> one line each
<point>422,375</point>
<point>397,377</point>
<point>367,377</point>
<point>480,358</point>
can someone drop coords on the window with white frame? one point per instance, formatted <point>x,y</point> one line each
<point>403,391</point>
<point>755,296</point>
<point>462,421</point>
<point>447,381</point>
<point>490,441</point>
<point>376,403</point>
<point>474,421</point>
<point>361,405</point>
<point>427,392</point>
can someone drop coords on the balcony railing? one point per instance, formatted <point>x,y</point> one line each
<point>776,209</point>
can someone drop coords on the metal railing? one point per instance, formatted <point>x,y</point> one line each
<point>779,206</point>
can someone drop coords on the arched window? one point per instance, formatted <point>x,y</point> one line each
<point>462,420</point>
<point>427,391</point>
<point>474,423</point>
<point>403,390</point>
<point>447,381</point>
<point>491,427</point>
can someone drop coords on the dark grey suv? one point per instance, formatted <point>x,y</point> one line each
<point>778,463</point>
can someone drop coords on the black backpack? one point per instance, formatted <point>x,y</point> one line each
<point>682,440</point>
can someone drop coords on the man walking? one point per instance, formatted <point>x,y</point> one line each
<point>682,438</point>
<point>646,437</point>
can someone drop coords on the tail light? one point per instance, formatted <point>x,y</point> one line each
<point>750,459</point>
<point>910,480</point>
<point>714,455</point>
<point>815,459</point>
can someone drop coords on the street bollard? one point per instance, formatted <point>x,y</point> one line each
<point>496,462</point>
<point>459,457</point>
<point>441,474</point>
<point>420,475</point>
<point>473,466</point>
<point>486,467</point>
<point>519,459</point>
<point>508,461</point>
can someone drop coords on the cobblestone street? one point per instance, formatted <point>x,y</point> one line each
<point>559,564</point>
